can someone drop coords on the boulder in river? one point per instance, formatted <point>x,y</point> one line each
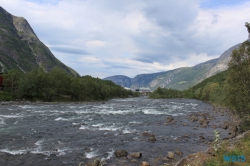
<point>144,163</point>
<point>170,155</point>
<point>121,153</point>
<point>152,139</point>
<point>169,119</point>
<point>148,134</point>
<point>193,118</point>
<point>136,155</point>
<point>94,162</point>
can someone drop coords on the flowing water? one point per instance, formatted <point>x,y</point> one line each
<point>67,134</point>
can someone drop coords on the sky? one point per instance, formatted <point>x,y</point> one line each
<point>102,38</point>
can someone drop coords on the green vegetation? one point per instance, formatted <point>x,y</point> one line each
<point>58,85</point>
<point>230,88</point>
<point>239,148</point>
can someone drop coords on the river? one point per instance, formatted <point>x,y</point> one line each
<point>70,133</point>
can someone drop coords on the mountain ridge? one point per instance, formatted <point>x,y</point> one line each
<point>21,49</point>
<point>181,78</point>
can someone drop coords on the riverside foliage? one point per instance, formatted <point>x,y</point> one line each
<point>229,88</point>
<point>58,85</point>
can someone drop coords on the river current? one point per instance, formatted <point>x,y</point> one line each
<point>70,133</point>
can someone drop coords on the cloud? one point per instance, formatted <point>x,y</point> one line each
<point>110,37</point>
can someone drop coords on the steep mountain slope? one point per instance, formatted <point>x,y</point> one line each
<point>21,49</point>
<point>182,78</point>
<point>120,80</point>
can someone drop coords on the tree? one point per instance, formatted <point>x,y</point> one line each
<point>238,81</point>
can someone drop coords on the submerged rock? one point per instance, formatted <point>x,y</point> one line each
<point>121,153</point>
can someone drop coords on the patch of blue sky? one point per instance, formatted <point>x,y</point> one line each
<point>220,3</point>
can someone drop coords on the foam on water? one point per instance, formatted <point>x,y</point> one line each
<point>91,154</point>
<point>14,152</point>
<point>62,119</point>
<point>39,142</point>
<point>11,116</point>
<point>110,154</point>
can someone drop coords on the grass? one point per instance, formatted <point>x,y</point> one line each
<point>238,148</point>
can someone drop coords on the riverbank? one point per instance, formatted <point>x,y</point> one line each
<point>237,145</point>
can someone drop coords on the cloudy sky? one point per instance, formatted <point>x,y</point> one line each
<point>129,37</point>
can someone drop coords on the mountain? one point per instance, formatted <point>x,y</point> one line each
<point>180,78</point>
<point>120,80</point>
<point>21,49</point>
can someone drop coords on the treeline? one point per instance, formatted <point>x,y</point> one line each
<point>229,88</point>
<point>58,85</point>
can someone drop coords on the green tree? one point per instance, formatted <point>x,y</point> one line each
<point>238,81</point>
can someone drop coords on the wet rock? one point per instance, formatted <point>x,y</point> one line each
<point>121,153</point>
<point>193,118</point>
<point>144,163</point>
<point>184,124</point>
<point>133,161</point>
<point>225,125</point>
<point>148,134</point>
<point>152,139</point>
<point>202,119</point>
<point>170,155</point>
<point>165,159</point>
<point>201,137</point>
<point>94,162</point>
<point>169,119</point>
<point>186,136</point>
<point>178,152</point>
<point>136,155</point>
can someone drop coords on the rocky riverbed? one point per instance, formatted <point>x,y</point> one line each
<point>117,132</point>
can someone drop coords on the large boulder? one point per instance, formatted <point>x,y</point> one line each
<point>121,153</point>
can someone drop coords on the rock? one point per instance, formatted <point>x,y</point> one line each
<point>187,136</point>
<point>193,118</point>
<point>202,119</point>
<point>152,139</point>
<point>184,124</point>
<point>169,119</point>
<point>178,152</point>
<point>170,155</point>
<point>224,126</point>
<point>204,125</point>
<point>211,152</point>
<point>133,161</point>
<point>136,155</point>
<point>121,153</point>
<point>201,137</point>
<point>94,162</point>
<point>165,159</point>
<point>148,134</point>
<point>144,163</point>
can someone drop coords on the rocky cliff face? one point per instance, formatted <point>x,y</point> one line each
<point>181,78</point>
<point>21,49</point>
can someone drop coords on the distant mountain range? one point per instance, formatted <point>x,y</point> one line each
<point>180,78</point>
<point>21,49</point>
